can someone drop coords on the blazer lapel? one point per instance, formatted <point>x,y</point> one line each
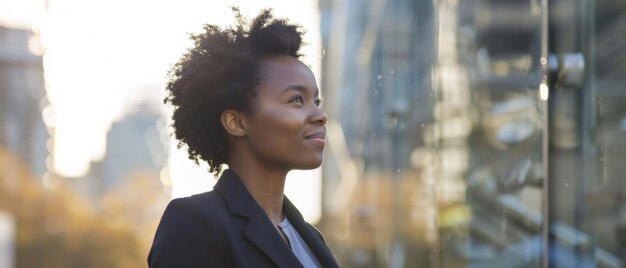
<point>312,239</point>
<point>259,229</point>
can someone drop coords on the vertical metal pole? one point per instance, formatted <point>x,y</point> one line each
<point>543,86</point>
<point>589,152</point>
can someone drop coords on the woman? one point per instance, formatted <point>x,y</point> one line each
<point>242,98</point>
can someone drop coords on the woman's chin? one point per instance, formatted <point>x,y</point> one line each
<point>311,165</point>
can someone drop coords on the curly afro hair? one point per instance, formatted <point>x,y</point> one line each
<point>220,73</point>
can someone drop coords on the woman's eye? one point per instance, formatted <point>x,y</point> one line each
<point>297,99</point>
<point>318,102</point>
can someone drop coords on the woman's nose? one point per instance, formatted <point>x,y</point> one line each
<point>319,116</point>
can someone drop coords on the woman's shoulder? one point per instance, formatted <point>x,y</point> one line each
<point>192,217</point>
<point>206,204</point>
<point>187,233</point>
<point>193,211</point>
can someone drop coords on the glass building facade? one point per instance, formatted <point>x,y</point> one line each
<point>475,133</point>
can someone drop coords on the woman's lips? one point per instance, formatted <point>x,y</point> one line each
<point>318,138</point>
<point>318,141</point>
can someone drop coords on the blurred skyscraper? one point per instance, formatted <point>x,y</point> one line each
<point>135,143</point>
<point>377,80</point>
<point>22,130</point>
<point>22,97</point>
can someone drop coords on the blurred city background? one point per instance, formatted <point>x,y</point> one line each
<point>462,133</point>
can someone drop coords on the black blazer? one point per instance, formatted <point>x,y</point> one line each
<point>227,228</point>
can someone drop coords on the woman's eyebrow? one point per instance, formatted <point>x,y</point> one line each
<point>301,89</point>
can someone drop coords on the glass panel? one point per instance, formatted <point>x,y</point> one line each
<point>436,148</point>
<point>587,144</point>
<point>490,81</point>
<point>604,203</point>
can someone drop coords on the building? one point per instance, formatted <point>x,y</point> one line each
<point>474,133</point>
<point>22,98</point>
<point>378,86</point>
<point>135,144</point>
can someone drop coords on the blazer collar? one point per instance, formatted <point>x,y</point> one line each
<point>261,232</point>
<point>312,239</point>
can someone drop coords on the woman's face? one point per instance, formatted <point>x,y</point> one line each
<point>286,128</point>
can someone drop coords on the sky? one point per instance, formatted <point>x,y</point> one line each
<point>103,56</point>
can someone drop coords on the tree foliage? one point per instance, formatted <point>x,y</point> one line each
<point>56,228</point>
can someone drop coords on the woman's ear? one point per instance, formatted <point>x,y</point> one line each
<point>232,121</point>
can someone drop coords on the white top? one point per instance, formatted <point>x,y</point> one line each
<point>298,246</point>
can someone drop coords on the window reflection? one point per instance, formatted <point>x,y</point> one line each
<point>459,113</point>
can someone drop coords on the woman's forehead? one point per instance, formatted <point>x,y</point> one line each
<point>281,64</point>
<point>286,71</point>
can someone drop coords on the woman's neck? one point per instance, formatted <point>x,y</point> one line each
<point>266,187</point>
